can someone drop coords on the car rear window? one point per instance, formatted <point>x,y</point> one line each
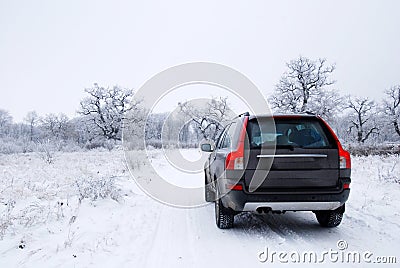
<point>303,133</point>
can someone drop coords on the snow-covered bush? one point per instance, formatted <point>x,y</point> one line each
<point>137,159</point>
<point>11,146</point>
<point>34,193</point>
<point>373,149</point>
<point>94,189</point>
<point>6,217</point>
<point>389,171</point>
<point>46,150</point>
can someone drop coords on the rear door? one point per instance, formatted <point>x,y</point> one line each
<point>223,147</point>
<point>306,156</point>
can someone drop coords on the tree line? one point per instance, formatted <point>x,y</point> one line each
<point>307,86</point>
<point>99,124</point>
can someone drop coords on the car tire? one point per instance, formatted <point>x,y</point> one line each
<point>330,218</point>
<point>223,217</point>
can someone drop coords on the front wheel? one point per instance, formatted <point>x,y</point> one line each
<point>330,218</point>
<point>223,217</point>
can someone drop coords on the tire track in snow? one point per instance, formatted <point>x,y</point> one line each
<point>171,240</point>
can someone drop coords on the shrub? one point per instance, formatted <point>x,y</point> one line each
<point>94,189</point>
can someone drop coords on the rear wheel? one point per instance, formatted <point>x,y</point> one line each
<point>223,217</point>
<point>330,218</point>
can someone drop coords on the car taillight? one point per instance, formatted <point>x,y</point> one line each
<point>235,187</point>
<point>235,159</point>
<point>346,186</point>
<point>344,162</point>
<point>344,156</point>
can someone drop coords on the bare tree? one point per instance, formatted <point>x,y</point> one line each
<point>362,114</point>
<point>210,119</point>
<point>63,126</point>
<point>154,125</point>
<point>48,125</point>
<point>328,104</point>
<point>303,86</point>
<point>5,122</point>
<point>106,109</point>
<point>55,126</point>
<point>392,106</point>
<point>32,119</point>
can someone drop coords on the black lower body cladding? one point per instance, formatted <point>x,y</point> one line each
<point>236,200</point>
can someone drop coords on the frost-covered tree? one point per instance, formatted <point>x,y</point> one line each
<point>5,122</point>
<point>362,118</point>
<point>211,118</point>
<point>32,119</point>
<point>106,109</point>
<point>392,106</point>
<point>154,126</point>
<point>304,88</point>
<point>55,126</point>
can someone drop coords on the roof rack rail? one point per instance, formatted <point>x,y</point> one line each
<point>244,114</point>
<point>240,115</point>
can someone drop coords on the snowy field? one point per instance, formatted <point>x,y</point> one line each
<point>84,210</point>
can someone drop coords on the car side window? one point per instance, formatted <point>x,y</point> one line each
<point>225,139</point>
<point>220,139</point>
<point>226,142</point>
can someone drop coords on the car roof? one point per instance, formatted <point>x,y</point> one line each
<point>288,116</point>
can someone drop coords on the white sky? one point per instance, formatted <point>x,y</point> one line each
<point>195,92</point>
<point>51,50</point>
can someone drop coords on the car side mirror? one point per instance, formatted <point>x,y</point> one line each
<point>206,147</point>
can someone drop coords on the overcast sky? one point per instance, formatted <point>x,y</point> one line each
<point>51,50</point>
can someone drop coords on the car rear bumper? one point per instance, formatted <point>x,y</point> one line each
<point>241,201</point>
<point>291,206</point>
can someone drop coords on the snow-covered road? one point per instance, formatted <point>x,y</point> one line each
<point>137,231</point>
<point>189,237</point>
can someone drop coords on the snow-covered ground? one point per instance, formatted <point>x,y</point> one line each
<point>85,210</point>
